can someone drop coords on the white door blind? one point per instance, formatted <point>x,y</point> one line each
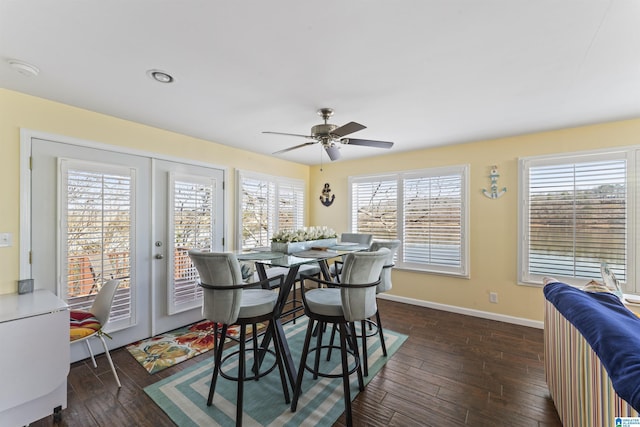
<point>433,220</point>
<point>375,208</point>
<point>258,206</point>
<point>192,221</point>
<point>577,219</point>
<point>97,229</point>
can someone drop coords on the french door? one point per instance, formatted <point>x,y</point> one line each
<point>187,204</point>
<point>98,214</point>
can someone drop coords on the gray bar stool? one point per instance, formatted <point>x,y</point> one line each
<point>343,304</point>
<point>228,301</point>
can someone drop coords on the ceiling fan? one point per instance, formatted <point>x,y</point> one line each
<point>330,136</point>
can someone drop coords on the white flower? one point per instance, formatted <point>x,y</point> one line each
<point>304,234</point>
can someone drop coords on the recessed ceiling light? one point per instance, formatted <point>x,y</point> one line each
<point>160,76</point>
<point>24,68</point>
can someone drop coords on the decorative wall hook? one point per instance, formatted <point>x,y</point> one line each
<point>327,198</point>
<point>494,193</point>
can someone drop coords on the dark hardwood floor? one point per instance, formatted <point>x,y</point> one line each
<point>454,370</point>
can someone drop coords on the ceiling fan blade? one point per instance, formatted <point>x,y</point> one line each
<point>332,151</point>
<point>367,142</point>
<point>350,127</point>
<point>295,147</point>
<point>289,134</point>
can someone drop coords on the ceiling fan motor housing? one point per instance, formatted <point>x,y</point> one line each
<point>323,130</point>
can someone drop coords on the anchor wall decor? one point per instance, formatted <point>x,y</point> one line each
<point>493,193</point>
<point>327,198</point>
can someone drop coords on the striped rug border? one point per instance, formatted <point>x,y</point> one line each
<point>183,395</point>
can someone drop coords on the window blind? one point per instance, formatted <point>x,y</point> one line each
<point>192,227</point>
<point>426,209</point>
<point>577,218</point>
<point>375,208</point>
<point>258,208</point>
<point>433,220</point>
<point>98,226</point>
<point>267,204</point>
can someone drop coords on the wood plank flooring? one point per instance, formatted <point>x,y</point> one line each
<point>453,370</point>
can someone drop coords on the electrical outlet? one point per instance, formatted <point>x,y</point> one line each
<point>493,297</point>
<point>5,239</point>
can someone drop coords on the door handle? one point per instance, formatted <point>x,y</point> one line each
<point>159,256</point>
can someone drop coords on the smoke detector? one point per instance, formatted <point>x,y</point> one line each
<point>24,68</point>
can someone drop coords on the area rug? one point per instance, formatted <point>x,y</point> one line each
<point>183,396</point>
<point>165,350</point>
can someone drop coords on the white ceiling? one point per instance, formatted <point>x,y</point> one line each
<point>420,73</point>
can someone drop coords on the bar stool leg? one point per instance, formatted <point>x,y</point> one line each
<point>345,374</point>
<point>382,343</point>
<point>242,374</point>
<point>217,362</point>
<point>254,341</point>
<point>303,363</point>
<point>365,358</point>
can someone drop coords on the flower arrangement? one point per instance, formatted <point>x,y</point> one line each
<point>304,234</point>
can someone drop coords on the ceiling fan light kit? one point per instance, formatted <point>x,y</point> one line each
<point>331,136</point>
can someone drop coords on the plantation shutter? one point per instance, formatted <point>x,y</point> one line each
<point>577,218</point>
<point>290,205</point>
<point>97,206</point>
<point>425,209</point>
<point>191,219</point>
<point>268,204</point>
<point>374,207</point>
<point>258,205</point>
<point>432,207</point>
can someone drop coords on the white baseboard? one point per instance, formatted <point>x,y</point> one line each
<point>466,311</point>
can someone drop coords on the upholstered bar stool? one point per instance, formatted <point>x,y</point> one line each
<point>384,286</point>
<point>360,239</point>
<point>228,301</point>
<point>343,304</point>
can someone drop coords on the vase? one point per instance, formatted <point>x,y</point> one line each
<point>293,247</point>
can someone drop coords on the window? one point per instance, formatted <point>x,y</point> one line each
<point>97,204</point>
<point>267,204</point>
<point>576,213</point>
<point>192,225</point>
<point>426,209</point>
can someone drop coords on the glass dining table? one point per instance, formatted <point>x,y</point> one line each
<point>265,258</point>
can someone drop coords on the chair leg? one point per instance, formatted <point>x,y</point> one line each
<point>254,341</point>
<point>365,358</point>
<point>316,363</point>
<point>106,352</point>
<point>353,339</point>
<point>382,343</point>
<point>303,364</point>
<point>333,335</point>
<point>242,374</point>
<point>95,365</point>
<point>345,375</point>
<point>216,362</point>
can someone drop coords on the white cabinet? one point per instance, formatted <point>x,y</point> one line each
<point>34,359</point>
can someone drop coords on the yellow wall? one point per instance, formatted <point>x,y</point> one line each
<point>493,223</point>
<point>22,111</point>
